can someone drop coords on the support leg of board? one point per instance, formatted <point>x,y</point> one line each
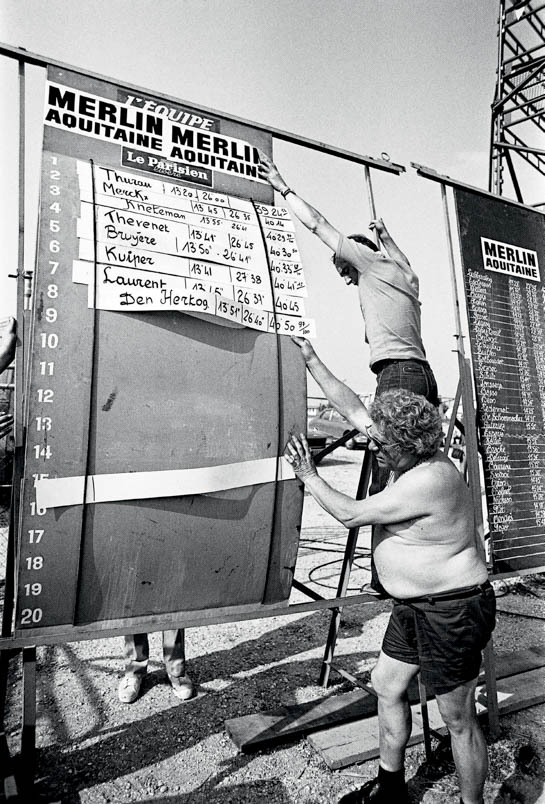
<point>425,718</point>
<point>28,734</point>
<point>491,691</point>
<point>345,576</point>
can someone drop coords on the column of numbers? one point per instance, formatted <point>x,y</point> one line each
<point>41,423</point>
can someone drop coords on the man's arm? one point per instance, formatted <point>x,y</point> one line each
<point>404,500</point>
<point>8,341</point>
<point>308,215</point>
<point>339,395</point>
<point>392,249</point>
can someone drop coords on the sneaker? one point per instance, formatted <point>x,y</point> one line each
<point>128,689</point>
<point>373,793</point>
<point>182,687</point>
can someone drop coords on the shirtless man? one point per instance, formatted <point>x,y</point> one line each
<point>427,560</point>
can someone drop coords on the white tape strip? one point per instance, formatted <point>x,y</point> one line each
<point>62,491</point>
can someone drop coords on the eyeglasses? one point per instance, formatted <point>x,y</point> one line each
<point>377,440</point>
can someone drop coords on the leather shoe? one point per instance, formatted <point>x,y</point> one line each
<point>182,687</point>
<point>128,689</point>
<point>373,793</point>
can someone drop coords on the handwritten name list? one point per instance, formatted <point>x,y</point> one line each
<point>507,329</point>
<point>146,244</point>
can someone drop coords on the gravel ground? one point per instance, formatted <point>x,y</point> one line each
<point>93,749</point>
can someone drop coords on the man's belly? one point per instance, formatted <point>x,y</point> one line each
<point>410,569</point>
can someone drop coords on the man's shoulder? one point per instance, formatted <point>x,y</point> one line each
<point>356,253</point>
<point>432,475</point>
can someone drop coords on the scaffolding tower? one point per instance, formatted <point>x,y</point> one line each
<point>518,110</point>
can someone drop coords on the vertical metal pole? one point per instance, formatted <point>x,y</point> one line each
<point>496,154</point>
<point>345,576</point>
<point>453,414</point>
<point>21,280</point>
<point>28,735</point>
<point>472,458</point>
<point>370,196</point>
<point>425,718</point>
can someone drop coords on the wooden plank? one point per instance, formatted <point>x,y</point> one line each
<point>358,741</point>
<point>251,732</point>
<point>256,731</point>
<point>7,773</point>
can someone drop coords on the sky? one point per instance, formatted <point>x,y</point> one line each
<point>413,79</point>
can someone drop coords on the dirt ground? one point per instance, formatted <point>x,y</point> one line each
<point>93,749</point>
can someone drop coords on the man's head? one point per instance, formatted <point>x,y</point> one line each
<point>345,269</point>
<point>406,428</point>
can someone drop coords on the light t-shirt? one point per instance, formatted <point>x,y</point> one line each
<point>388,291</point>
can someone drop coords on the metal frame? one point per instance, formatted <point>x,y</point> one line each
<point>518,110</point>
<point>155,622</point>
<point>10,646</point>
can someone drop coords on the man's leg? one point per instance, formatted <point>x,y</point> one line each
<point>136,654</point>
<point>136,665</point>
<point>390,680</point>
<point>457,709</point>
<point>174,658</point>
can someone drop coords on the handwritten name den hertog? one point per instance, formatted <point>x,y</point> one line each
<point>185,301</point>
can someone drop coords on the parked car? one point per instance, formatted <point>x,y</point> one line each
<point>317,439</point>
<point>330,422</point>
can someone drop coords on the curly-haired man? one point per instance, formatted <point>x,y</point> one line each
<point>427,560</point>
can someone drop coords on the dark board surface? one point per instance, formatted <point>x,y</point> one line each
<point>110,392</point>
<point>506,311</point>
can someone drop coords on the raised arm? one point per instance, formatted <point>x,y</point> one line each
<point>339,395</point>
<point>308,215</point>
<point>387,241</point>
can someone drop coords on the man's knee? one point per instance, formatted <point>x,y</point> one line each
<point>458,722</point>
<point>459,715</point>
<point>385,687</point>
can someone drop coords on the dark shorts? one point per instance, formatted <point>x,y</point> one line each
<point>445,637</point>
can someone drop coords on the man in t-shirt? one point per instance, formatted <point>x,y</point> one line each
<point>388,293</point>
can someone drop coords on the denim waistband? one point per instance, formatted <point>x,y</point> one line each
<point>380,365</point>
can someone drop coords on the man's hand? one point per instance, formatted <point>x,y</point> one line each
<point>6,424</point>
<point>298,455</point>
<point>378,226</point>
<point>305,346</point>
<point>268,171</point>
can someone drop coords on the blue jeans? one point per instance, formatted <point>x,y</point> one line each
<point>137,653</point>
<point>411,375</point>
